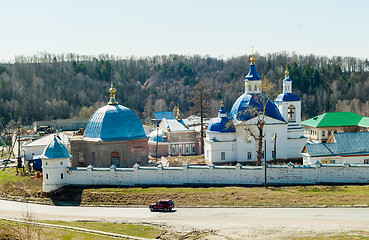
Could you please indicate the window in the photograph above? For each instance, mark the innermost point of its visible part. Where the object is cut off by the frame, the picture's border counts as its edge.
(61, 176)
(323, 133)
(255, 88)
(46, 163)
(222, 156)
(154, 150)
(193, 149)
(61, 163)
(180, 149)
(115, 159)
(262, 155)
(248, 139)
(173, 150)
(332, 161)
(329, 133)
(187, 150)
(249, 156)
(179, 137)
(47, 176)
(273, 155)
(291, 114)
(93, 157)
(366, 161)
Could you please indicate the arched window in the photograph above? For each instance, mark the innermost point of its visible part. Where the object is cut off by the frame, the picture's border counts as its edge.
(291, 113)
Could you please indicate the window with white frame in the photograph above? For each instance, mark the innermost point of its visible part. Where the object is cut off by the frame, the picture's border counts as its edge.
(249, 156)
(222, 156)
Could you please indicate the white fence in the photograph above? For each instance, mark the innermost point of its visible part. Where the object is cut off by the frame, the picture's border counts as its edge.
(219, 175)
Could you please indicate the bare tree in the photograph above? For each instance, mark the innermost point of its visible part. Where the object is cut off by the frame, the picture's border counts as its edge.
(201, 105)
(257, 114)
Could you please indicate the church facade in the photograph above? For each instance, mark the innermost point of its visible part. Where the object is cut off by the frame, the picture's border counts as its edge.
(114, 136)
(233, 139)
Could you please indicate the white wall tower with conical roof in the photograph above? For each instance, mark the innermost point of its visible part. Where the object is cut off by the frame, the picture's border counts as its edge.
(55, 162)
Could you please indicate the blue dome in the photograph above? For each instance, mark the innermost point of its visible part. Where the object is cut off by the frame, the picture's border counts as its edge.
(55, 149)
(222, 123)
(240, 110)
(287, 80)
(252, 75)
(114, 123)
(287, 97)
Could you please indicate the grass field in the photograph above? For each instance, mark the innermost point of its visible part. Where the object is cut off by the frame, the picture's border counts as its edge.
(13, 230)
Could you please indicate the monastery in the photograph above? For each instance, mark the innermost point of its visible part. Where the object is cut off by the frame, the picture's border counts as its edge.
(114, 148)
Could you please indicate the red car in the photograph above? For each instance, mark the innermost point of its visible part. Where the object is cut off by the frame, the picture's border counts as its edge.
(162, 205)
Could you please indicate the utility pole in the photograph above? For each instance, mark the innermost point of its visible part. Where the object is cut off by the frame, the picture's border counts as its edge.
(157, 139)
(265, 164)
(19, 158)
(275, 147)
(202, 125)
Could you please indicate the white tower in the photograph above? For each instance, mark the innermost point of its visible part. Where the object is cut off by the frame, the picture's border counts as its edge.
(289, 104)
(252, 80)
(55, 161)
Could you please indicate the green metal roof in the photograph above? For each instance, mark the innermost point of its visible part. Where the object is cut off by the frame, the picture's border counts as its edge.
(334, 119)
(364, 122)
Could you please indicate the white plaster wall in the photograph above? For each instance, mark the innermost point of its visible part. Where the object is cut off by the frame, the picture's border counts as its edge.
(307, 160)
(213, 175)
(214, 150)
(243, 147)
(36, 150)
(295, 147)
(51, 171)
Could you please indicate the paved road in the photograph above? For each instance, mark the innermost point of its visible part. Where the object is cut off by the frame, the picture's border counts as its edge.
(229, 223)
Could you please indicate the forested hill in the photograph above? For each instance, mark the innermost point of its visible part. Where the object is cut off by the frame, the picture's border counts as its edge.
(50, 86)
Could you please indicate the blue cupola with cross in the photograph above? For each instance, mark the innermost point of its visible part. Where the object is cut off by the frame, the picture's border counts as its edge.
(253, 79)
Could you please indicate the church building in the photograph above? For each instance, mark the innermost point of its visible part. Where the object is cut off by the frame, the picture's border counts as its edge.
(114, 136)
(230, 140)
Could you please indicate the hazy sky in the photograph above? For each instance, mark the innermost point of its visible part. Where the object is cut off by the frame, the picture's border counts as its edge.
(205, 27)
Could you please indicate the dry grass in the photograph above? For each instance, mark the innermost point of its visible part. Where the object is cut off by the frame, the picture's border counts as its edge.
(292, 196)
(191, 160)
(20, 186)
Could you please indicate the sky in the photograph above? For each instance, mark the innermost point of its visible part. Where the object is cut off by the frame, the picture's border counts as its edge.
(221, 29)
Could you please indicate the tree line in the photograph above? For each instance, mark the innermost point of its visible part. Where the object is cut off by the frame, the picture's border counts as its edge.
(48, 86)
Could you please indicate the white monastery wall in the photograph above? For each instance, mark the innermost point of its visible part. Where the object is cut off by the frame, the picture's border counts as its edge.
(210, 175)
